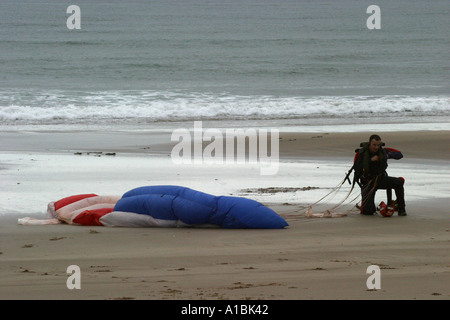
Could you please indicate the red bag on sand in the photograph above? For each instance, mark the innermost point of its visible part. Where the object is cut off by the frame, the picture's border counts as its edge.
(386, 210)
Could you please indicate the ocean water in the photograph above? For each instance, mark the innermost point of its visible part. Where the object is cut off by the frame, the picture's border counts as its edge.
(151, 63)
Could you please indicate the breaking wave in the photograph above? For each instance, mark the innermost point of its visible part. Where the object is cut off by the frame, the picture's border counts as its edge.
(58, 107)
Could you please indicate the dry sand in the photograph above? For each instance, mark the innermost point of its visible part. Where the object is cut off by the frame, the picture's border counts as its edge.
(311, 259)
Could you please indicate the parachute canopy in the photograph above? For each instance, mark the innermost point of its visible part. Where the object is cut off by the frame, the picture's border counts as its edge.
(165, 206)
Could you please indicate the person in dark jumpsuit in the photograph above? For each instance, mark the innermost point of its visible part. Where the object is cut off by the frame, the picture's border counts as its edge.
(370, 169)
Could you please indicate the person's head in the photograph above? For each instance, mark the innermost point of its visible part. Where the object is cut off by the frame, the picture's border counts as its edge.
(374, 143)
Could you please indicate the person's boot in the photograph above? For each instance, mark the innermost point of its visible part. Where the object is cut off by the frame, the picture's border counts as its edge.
(402, 212)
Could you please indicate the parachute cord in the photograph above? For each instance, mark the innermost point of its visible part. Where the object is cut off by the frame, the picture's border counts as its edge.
(305, 209)
(341, 203)
(334, 190)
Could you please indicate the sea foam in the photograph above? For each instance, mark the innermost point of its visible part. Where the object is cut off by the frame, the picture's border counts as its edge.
(53, 107)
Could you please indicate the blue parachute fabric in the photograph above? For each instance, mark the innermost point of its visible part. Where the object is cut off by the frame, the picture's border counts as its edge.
(195, 208)
(158, 206)
(242, 212)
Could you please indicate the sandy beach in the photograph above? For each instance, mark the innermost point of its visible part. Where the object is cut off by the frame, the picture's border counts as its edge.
(314, 258)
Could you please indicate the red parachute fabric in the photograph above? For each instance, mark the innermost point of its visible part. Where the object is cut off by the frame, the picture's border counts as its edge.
(68, 200)
(92, 217)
